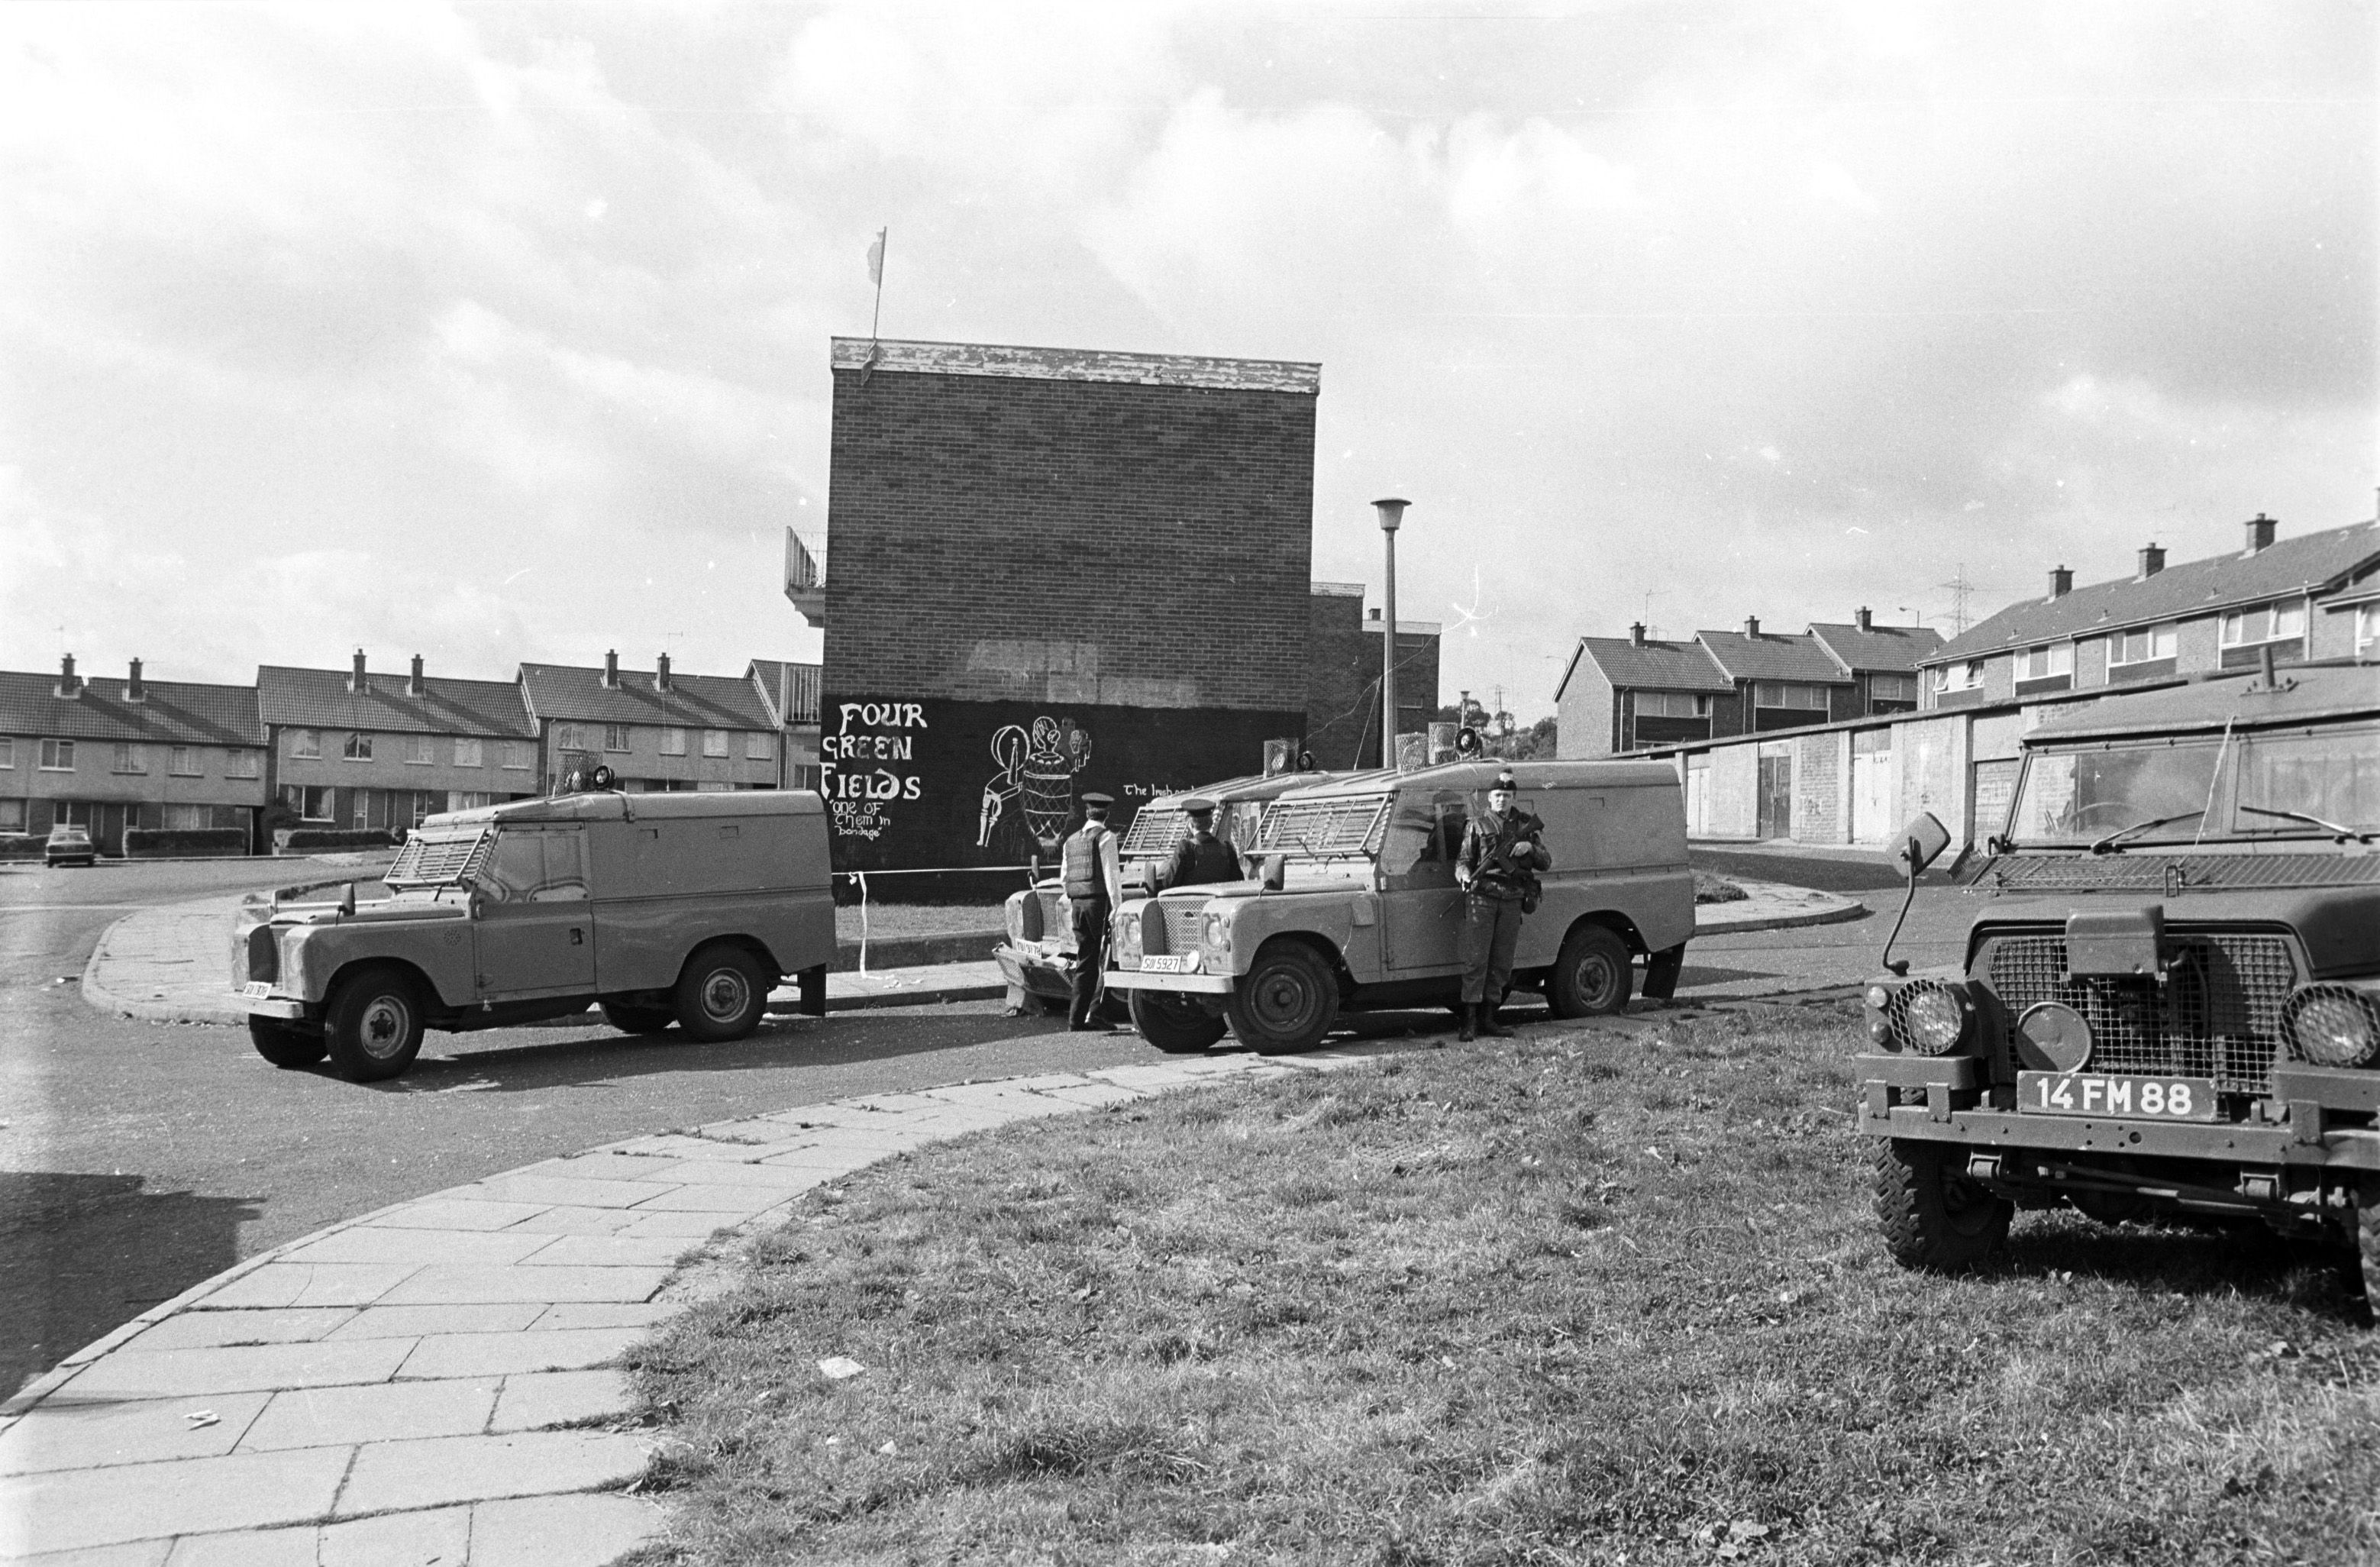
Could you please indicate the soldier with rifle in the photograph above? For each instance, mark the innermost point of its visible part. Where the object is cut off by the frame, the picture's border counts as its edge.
(1497, 869)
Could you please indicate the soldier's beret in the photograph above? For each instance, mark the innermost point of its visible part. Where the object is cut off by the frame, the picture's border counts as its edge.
(1504, 781)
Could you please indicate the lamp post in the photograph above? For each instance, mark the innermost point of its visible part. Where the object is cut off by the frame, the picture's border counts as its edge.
(1393, 512)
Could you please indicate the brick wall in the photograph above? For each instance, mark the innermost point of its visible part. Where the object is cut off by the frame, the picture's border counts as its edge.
(1586, 718)
(1000, 538)
(1342, 703)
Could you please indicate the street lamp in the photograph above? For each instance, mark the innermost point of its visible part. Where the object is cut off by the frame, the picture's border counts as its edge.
(1393, 512)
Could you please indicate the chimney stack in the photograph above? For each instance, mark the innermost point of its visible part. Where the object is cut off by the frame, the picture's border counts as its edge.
(1866, 621)
(69, 685)
(2152, 561)
(2061, 582)
(1752, 626)
(611, 670)
(356, 681)
(133, 690)
(660, 671)
(2259, 533)
(413, 686)
(1637, 634)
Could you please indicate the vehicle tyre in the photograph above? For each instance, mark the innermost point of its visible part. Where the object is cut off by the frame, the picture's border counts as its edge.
(629, 1017)
(285, 1044)
(721, 994)
(373, 1027)
(1592, 975)
(1174, 1024)
(1933, 1215)
(1286, 1001)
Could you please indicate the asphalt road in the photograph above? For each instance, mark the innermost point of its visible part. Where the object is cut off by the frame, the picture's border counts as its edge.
(138, 1158)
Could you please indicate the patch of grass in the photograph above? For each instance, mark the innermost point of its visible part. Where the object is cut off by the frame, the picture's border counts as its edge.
(889, 921)
(1587, 1293)
(1709, 888)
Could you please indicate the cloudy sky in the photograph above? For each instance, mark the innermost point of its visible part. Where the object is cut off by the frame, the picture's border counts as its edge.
(500, 333)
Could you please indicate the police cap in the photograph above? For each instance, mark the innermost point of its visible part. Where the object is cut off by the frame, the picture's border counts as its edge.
(1097, 804)
(1198, 804)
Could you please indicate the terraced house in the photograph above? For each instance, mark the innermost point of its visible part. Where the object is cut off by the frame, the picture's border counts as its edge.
(359, 749)
(107, 755)
(658, 731)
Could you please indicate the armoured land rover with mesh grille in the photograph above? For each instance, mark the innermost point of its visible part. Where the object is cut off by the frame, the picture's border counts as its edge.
(1357, 906)
(660, 908)
(2170, 1002)
(1038, 959)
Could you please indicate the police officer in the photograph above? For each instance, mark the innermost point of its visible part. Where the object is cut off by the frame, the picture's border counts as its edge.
(1497, 868)
(1201, 858)
(1094, 886)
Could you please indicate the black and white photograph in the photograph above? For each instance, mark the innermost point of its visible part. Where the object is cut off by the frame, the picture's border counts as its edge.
(1406, 782)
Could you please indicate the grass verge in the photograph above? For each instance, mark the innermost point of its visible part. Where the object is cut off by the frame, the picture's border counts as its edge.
(889, 921)
(1594, 1294)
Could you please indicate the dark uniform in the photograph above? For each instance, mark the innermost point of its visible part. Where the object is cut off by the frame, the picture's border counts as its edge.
(1201, 858)
(1497, 868)
(1085, 857)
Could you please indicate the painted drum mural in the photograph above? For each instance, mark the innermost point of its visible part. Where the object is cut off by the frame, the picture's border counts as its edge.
(915, 785)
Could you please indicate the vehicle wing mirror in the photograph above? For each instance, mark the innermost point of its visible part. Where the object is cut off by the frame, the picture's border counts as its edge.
(478, 906)
(1919, 842)
(1273, 870)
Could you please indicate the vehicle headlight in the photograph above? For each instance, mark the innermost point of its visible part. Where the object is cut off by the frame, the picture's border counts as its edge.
(1216, 934)
(1931, 1019)
(2332, 1026)
(1128, 933)
(1017, 918)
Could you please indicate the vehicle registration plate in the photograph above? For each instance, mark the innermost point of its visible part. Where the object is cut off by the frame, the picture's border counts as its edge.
(256, 990)
(2096, 1093)
(1169, 963)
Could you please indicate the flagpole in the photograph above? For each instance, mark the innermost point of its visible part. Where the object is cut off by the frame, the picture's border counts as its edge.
(877, 267)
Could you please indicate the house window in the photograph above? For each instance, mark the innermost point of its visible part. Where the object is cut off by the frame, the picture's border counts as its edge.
(7, 752)
(418, 750)
(1777, 694)
(305, 744)
(672, 742)
(2043, 663)
(12, 816)
(242, 764)
(714, 742)
(189, 818)
(757, 748)
(569, 737)
(357, 747)
(1671, 704)
(1892, 687)
(314, 803)
(518, 756)
(2367, 628)
(2284, 622)
(129, 758)
(465, 799)
(1967, 677)
(2148, 643)
(467, 753)
(615, 736)
(57, 756)
(183, 763)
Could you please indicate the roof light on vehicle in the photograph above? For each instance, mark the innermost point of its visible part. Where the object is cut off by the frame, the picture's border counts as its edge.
(2332, 1026)
(1932, 1018)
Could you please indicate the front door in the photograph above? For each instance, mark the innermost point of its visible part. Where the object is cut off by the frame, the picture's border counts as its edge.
(1871, 787)
(1776, 797)
(1422, 908)
(535, 932)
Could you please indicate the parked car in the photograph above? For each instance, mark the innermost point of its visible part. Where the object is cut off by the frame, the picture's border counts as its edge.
(1358, 908)
(2170, 999)
(69, 845)
(1039, 958)
(660, 908)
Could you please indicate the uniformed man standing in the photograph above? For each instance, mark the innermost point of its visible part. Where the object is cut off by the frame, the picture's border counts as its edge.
(1497, 869)
(1094, 886)
(1201, 858)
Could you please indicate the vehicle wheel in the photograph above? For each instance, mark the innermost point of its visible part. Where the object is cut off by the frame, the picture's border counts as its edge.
(1174, 1024)
(285, 1045)
(373, 1027)
(1287, 1002)
(721, 994)
(630, 1018)
(1592, 975)
(1933, 1214)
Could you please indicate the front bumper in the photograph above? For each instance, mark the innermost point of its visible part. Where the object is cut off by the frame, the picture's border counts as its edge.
(287, 1008)
(1036, 970)
(1940, 1098)
(1135, 980)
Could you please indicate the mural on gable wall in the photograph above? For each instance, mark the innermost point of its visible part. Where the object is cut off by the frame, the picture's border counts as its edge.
(1034, 789)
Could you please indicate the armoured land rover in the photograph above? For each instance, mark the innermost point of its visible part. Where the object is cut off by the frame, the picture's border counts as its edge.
(1358, 909)
(1038, 959)
(661, 908)
(2170, 1002)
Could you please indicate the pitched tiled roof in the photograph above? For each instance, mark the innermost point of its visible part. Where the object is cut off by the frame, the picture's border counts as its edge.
(701, 701)
(1652, 666)
(174, 712)
(1773, 656)
(2193, 588)
(1896, 649)
(319, 698)
(790, 689)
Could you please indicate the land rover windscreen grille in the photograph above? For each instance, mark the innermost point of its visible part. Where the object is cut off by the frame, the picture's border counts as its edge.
(437, 862)
(2217, 1012)
(2147, 870)
(1152, 832)
(1323, 827)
